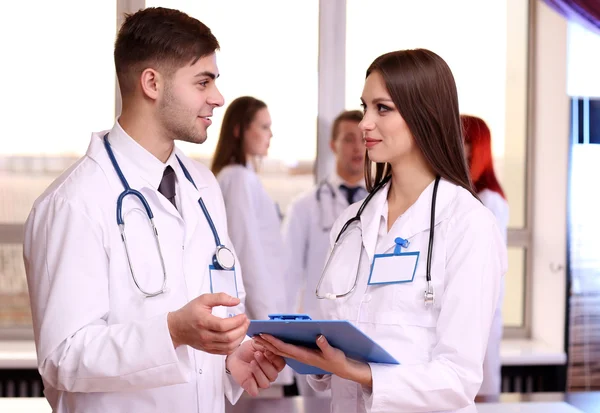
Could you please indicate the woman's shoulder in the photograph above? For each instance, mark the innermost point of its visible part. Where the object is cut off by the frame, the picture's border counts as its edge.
(469, 215)
(236, 174)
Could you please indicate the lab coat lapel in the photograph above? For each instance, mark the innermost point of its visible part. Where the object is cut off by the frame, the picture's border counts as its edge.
(190, 194)
(418, 217)
(369, 220)
(97, 152)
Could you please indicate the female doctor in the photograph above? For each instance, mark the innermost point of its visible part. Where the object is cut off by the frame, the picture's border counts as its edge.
(478, 149)
(253, 218)
(417, 265)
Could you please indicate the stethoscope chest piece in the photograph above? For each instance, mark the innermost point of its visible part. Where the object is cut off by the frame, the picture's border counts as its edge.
(429, 295)
(224, 258)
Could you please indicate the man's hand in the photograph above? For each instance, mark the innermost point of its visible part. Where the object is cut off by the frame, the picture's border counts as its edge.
(194, 325)
(253, 368)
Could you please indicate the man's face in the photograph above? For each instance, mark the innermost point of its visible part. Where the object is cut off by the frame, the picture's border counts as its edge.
(349, 148)
(189, 97)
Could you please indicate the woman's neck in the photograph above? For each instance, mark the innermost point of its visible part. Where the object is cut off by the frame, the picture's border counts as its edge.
(408, 182)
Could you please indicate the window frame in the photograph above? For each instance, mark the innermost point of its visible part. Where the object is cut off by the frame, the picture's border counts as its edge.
(331, 101)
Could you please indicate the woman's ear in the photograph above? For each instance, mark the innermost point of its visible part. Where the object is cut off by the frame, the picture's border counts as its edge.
(236, 131)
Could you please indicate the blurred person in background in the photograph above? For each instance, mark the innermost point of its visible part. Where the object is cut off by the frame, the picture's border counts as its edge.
(253, 218)
(310, 217)
(478, 150)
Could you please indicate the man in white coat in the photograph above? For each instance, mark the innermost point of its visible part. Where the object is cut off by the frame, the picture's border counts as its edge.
(127, 316)
(311, 216)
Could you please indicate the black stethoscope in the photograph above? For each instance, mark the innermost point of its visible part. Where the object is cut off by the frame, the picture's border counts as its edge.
(429, 294)
(223, 259)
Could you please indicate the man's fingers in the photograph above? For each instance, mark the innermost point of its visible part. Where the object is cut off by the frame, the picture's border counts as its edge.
(214, 300)
(235, 335)
(266, 366)
(275, 360)
(259, 375)
(250, 386)
(221, 325)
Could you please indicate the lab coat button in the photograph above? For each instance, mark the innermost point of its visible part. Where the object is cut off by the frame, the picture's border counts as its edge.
(200, 371)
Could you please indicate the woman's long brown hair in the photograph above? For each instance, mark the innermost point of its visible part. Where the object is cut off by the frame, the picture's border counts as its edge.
(423, 90)
(230, 147)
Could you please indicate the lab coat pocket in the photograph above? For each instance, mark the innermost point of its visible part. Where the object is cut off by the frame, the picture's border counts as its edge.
(409, 305)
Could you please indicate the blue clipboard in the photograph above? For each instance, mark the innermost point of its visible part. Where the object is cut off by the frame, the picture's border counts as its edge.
(300, 329)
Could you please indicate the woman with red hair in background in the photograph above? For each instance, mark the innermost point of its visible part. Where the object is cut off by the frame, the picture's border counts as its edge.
(478, 150)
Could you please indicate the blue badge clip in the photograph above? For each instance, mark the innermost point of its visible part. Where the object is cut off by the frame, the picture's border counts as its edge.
(289, 317)
(400, 243)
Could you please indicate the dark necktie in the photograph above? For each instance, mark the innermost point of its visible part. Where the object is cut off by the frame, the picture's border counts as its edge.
(350, 192)
(167, 185)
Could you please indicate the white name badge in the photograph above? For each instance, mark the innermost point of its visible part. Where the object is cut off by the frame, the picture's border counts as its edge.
(394, 268)
(223, 281)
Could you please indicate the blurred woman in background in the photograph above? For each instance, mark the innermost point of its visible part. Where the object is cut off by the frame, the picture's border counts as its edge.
(253, 218)
(478, 150)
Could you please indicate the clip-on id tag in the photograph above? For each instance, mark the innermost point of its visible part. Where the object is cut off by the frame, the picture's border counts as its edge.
(223, 281)
(399, 267)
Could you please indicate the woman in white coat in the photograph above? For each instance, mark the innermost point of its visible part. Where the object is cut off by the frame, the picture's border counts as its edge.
(253, 218)
(435, 323)
(478, 149)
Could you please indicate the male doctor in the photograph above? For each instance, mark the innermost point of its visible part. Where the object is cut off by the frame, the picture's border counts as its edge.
(143, 320)
(311, 216)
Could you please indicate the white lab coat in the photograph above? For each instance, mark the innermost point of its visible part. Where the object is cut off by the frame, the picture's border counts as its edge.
(101, 345)
(492, 366)
(306, 231)
(441, 349)
(255, 228)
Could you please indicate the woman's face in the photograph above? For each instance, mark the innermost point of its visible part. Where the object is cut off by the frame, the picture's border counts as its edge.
(258, 134)
(385, 133)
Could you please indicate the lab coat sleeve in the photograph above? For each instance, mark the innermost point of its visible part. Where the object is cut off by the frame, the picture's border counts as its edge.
(264, 291)
(295, 235)
(67, 272)
(319, 382)
(475, 263)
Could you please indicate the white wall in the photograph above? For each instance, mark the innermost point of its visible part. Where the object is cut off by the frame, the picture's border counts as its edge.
(549, 189)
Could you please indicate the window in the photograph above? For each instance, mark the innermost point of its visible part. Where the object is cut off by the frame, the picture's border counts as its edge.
(269, 55)
(485, 45)
(61, 87)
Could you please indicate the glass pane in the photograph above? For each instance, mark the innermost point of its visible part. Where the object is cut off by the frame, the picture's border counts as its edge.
(61, 87)
(14, 299)
(583, 61)
(485, 45)
(513, 308)
(269, 50)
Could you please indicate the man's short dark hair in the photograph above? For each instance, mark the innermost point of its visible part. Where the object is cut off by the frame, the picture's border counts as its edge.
(161, 38)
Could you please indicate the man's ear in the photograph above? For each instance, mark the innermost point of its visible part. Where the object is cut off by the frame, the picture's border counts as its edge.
(151, 82)
(332, 146)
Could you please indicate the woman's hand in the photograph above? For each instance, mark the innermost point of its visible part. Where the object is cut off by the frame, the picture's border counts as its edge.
(326, 358)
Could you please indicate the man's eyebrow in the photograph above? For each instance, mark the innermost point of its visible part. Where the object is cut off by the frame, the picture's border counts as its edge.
(208, 74)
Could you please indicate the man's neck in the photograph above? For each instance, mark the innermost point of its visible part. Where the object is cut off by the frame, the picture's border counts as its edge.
(147, 134)
(349, 179)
